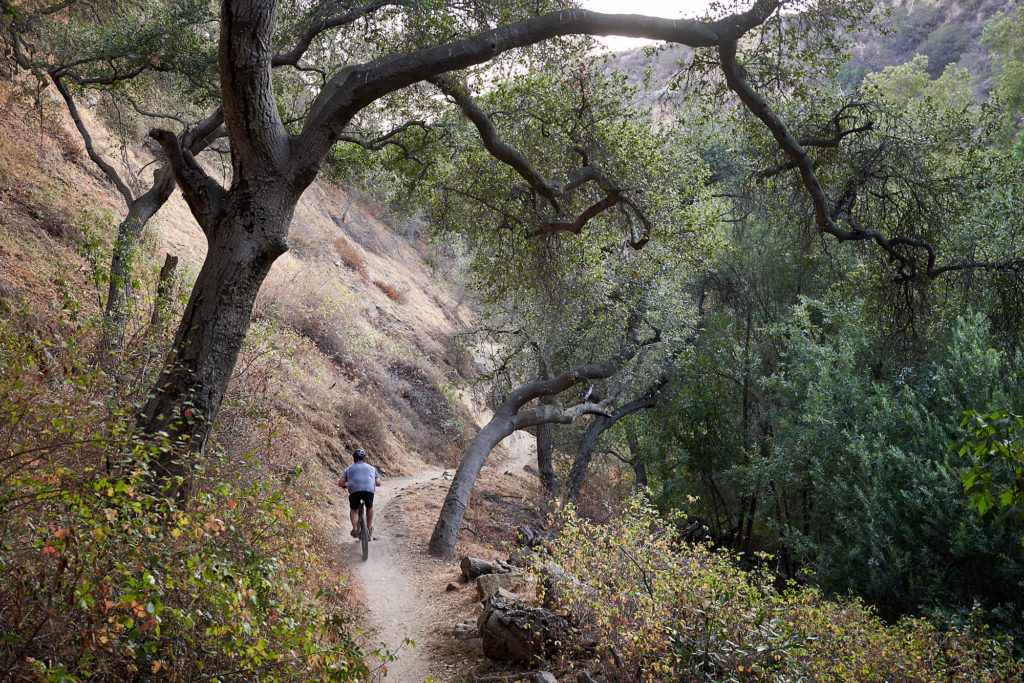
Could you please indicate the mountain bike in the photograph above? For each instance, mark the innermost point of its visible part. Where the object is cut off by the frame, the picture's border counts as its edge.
(364, 531)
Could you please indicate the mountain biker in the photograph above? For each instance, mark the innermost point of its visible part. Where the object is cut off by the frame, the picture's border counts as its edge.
(362, 480)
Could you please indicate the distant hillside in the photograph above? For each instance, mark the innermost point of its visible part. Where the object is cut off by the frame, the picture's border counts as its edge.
(945, 32)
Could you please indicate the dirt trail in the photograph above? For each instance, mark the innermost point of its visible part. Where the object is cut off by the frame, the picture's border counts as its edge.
(397, 601)
(403, 585)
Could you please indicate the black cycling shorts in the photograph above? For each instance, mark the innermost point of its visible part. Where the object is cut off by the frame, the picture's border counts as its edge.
(356, 496)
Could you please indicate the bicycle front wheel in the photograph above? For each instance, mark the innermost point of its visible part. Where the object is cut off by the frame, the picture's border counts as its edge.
(364, 533)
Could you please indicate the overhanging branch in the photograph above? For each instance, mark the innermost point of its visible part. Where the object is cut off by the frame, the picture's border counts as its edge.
(323, 24)
(357, 86)
(825, 211)
(90, 149)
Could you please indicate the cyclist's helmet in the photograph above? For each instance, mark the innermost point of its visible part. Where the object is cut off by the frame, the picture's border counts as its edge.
(360, 454)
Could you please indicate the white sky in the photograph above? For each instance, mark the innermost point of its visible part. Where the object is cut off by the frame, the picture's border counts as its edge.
(658, 8)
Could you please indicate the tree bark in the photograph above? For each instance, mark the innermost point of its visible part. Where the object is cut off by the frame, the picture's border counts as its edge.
(442, 541)
(545, 464)
(509, 417)
(213, 328)
(639, 475)
(585, 452)
(119, 294)
(163, 288)
(639, 466)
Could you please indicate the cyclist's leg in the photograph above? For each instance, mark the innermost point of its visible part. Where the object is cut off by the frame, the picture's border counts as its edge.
(353, 513)
(369, 510)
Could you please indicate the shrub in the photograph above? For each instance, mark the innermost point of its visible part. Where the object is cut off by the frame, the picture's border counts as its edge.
(102, 577)
(316, 308)
(391, 291)
(350, 256)
(653, 609)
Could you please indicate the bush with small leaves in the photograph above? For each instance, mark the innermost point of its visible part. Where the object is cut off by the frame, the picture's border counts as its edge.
(102, 577)
(655, 609)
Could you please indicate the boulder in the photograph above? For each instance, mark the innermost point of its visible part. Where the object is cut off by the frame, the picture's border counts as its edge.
(527, 536)
(466, 629)
(472, 567)
(543, 677)
(489, 584)
(511, 597)
(511, 633)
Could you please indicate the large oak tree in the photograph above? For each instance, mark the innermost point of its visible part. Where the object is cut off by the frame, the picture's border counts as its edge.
(246, 223)
(356, 59)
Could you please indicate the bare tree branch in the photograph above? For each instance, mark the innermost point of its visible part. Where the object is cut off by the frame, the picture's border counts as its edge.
(90, 149)
(826, 212)
(551, 190)
(320, 25)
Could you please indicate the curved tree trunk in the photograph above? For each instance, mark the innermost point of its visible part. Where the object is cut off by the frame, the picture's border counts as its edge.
(442, 541)
(511, 416)
(585, 452)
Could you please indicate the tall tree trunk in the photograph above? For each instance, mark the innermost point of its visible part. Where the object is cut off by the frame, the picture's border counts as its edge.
(119, 294)
(638, 465)
(163, 289)
(545, 464)
(639, 475)
(250, 237)
(585, 453)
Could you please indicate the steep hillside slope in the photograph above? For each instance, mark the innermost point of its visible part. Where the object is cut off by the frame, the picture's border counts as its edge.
(353, 336)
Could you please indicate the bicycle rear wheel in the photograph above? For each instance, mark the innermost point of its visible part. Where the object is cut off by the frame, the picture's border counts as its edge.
(364, 532)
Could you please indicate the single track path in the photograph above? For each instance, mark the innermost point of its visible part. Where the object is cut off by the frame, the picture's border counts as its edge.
(400, 581)
(398, 604)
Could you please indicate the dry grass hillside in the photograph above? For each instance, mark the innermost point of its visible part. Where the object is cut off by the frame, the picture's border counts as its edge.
(353, 341)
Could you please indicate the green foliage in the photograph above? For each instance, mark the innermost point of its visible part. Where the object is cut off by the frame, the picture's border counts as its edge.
(565, 296)
(848, 466)
(1004, 36)
(654, 609)
(995, 480)
(102, 577)
(114, 44)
